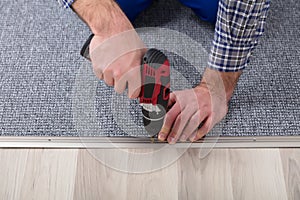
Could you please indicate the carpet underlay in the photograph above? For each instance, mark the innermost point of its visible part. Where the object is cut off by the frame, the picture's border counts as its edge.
(47, 89)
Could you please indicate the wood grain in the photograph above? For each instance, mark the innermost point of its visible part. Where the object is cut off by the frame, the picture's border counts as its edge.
(37, 173)
(109, 174)
(204, 176)
(162, 180)
(12, 171)
(291, 167)
(96, 181)
(257, 174)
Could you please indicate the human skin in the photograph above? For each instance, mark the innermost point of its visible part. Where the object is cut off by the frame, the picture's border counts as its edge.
(118, 71)
(207, 104)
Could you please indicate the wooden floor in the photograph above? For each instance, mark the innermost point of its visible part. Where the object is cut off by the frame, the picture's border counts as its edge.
(80, 174)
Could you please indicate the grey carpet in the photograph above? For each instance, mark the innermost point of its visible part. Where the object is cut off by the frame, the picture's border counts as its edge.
(47, 89)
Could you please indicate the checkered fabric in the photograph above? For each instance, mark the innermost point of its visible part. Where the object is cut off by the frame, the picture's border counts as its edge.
(65, 3)
(238, 28)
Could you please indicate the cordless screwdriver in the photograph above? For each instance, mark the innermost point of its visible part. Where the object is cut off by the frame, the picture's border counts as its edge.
(155, 90)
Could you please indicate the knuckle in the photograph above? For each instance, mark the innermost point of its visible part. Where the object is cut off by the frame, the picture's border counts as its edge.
(131, 76)
(118, 74)
(108, 70)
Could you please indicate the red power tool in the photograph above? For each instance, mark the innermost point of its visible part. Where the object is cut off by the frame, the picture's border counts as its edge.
(155, 91)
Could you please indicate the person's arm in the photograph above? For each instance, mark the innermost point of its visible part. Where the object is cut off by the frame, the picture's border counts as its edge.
(239, 26)
(104, 17)
(116, 49)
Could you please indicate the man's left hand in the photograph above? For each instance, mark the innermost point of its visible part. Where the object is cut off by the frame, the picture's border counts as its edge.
(194, 112)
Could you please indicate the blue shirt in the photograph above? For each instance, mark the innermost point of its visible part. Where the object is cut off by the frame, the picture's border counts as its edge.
(239, 25)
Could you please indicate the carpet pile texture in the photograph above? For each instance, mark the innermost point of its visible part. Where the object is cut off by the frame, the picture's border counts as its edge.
(47, 89)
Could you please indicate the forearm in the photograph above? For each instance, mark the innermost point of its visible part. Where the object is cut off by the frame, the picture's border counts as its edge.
(104, 17)
(238, 28)
(220, 83)
(230, 80)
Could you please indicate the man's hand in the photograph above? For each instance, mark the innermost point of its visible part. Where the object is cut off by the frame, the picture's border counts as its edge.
(116, 49)
(117, 61)
(207, 104)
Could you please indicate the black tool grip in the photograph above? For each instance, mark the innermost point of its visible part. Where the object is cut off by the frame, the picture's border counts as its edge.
(85, 50)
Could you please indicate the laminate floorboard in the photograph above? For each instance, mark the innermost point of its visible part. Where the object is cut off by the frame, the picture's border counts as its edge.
(291, 168)
(257, 174)
(37, 174)
(249, 173)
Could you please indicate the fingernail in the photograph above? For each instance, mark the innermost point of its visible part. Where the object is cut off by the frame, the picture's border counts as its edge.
(171, 140)
(161, 136)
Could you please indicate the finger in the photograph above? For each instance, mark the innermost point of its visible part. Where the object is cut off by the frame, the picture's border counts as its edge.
(169, 121)
(108, 77)
(201, 132)
(98, 72)
(193, 124)
(194, 133)
(119, 82)
(134, 82)
(179, 125)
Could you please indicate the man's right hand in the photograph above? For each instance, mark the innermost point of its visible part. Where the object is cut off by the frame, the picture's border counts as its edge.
(117, 60)
(116, 50)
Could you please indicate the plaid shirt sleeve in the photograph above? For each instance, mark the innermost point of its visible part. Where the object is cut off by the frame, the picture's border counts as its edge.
(65, 3)
(240, 23)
